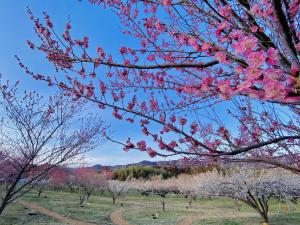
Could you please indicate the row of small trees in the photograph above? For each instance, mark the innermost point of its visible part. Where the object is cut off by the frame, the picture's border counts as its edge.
(251, 186)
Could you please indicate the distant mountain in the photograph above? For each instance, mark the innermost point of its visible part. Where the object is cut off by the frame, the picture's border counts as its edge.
(97, 167)
(174, 163)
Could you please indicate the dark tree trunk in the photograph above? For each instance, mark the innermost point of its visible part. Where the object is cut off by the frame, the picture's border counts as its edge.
(114, 200)
(88, 196)
(82, 198)
(3, 205)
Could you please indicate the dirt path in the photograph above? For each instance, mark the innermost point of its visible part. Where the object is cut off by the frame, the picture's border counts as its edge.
(53, 214)
(117, 218)
(186, 221)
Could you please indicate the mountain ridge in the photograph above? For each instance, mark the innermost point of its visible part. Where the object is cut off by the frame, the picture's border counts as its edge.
(175, 163)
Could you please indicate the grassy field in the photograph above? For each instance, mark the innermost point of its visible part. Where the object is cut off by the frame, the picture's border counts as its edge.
(139, 210)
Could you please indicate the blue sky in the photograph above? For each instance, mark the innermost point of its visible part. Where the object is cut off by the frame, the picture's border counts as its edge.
(100, 25)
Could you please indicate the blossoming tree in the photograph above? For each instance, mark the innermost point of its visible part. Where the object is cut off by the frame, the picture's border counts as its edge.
(187, 186)
(87, 181)
(255, 188)
(117, 188)
(37, 135)
(192, 55)
(157, 186)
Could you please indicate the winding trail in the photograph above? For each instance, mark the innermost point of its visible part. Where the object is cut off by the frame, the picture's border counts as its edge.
(117, 218)
(52, 214)
(186, 221)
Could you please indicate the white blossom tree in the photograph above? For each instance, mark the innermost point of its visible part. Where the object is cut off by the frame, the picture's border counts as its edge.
(256, 187)
(117, 188)
(158, 186)
(187, 186)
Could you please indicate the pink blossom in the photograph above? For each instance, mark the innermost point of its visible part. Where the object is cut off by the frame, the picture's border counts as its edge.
(253, 73)
(294, 69)
(244, 87)
(273, 74)
(206, 83)
(90, 90)
(101, 53)
(128, 145)
(256, 59)
(151, 152)
(172, 119)
(102, 87)
(130, 120)
(192, 41)
(151, 57)
(144, 122)
(182, 121)
(275, 90)
(141, 145)
(245, 45)
(172, 144)
(273, 57)
(225, 89)
(256, 10)
(236, 34)
(238, 69)
(225, 11)
(159, 26)
(194, 128)
(254, 29)
(205, 46)
(153, 105)
(221, 57)
(145, 131)
(123, 50)
(166, 129)
(166, 2)
(223, 25)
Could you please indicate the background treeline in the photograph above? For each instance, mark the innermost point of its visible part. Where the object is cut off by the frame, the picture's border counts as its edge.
(146, 172)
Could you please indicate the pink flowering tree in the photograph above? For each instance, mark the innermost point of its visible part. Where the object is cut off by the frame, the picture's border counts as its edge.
(63, 178)
(37, 135)
(191, 56)
(57, 177)
(87, 181)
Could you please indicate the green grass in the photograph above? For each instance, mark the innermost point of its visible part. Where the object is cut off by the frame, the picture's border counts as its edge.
(139, 210)
(16, 214)
(96, 210)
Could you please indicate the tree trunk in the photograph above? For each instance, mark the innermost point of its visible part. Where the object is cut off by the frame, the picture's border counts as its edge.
(114, 200)
(266, 219)
(82, 198)
(3, 205)
(163, 206)
(88, 196)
